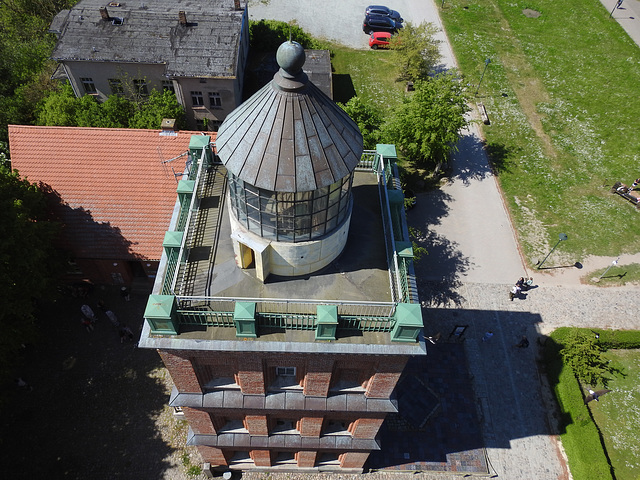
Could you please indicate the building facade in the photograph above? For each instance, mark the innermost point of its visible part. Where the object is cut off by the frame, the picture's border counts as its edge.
(112, 228)
(196, 50)
(286, 309)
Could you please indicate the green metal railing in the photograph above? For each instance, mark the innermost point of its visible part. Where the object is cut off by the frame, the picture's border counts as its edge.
(301, 314)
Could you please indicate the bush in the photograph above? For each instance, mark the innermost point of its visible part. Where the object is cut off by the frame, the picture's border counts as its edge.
(581, 437)
(268, 35)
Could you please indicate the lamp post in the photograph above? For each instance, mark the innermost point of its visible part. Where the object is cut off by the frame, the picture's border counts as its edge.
(561, 238)
(486, 64)
(614, 263)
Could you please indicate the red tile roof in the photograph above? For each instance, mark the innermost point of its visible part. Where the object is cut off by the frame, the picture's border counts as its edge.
(117, 187)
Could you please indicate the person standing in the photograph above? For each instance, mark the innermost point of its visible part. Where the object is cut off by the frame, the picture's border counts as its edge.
(487, 336)
(124, 292)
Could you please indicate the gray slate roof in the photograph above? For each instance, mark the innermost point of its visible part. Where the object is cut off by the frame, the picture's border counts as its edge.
(289, 136)
(151, 33)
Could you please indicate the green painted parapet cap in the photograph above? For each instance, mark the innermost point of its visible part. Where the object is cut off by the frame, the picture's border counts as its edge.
(198, 142)
(408, 324)
(186, 186)
(172, 240)
(244, 318)
(404, 249)
(388, 151)
(160, 313)
(326, 322)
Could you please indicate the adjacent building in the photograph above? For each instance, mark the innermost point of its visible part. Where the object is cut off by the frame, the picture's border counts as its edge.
(285, 306)
(198, 50)
(113, 189)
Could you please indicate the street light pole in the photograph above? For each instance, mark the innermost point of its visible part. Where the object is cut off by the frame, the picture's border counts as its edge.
(615, 262)
(486, 64)
(561, 238)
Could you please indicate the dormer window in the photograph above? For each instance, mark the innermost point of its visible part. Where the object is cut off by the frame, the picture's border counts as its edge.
(89, 86)
(117, 21)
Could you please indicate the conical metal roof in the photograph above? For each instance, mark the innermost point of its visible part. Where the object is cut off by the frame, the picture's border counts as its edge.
(289, 136)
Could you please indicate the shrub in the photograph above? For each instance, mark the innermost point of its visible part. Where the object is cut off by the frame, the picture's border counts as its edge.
(268, 35)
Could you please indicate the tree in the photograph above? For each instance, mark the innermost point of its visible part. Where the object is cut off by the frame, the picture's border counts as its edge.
(417, 50)
(426, 125)
(367, 118)
(584, 355)
(60, 108)
(116, 112)
(159, 105)
(28, 261)
(63, 108)
(268, 35)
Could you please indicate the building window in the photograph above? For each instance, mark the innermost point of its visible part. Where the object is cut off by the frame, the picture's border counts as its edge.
(203, 80)
(115, 84)
(285, 427)
(197, 100)
(285, 379)
(336, 428)
(214, 100)
(140, 87)
(167, 85)
(291, 217)
(285, 371)
(89, 86)
(200, 125)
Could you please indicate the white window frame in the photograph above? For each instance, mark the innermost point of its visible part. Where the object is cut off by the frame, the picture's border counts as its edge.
(89, 85)
(285, 371)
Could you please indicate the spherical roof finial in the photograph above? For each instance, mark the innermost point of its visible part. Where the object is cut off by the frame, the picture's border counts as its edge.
(290, 57)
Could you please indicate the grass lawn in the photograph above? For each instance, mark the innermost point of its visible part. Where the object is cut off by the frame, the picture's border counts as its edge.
(618, 416)
(615, 275)
(369, 74)
(563, 98)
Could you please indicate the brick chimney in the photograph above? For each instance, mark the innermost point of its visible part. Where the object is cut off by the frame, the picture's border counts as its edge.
(168, 127)
(104, 14)
(182, 16)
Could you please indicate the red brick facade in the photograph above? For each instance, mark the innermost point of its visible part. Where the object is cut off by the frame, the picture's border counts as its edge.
(257, 378)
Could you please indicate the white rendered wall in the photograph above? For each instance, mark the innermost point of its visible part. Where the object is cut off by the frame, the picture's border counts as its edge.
(290, 259)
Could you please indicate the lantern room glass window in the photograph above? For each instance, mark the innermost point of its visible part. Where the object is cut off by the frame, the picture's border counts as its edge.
(287, 216)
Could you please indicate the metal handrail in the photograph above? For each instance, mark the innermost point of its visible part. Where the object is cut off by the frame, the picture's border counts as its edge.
(193, 206)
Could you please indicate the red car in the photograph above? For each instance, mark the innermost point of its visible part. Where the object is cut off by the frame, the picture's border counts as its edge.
(379, 40)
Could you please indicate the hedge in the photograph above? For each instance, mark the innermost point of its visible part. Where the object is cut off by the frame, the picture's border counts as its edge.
(580, 435)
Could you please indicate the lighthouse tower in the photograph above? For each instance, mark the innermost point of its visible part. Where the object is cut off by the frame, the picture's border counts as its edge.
(290, 153)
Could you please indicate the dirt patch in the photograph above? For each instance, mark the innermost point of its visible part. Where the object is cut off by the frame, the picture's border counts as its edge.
(527, 12)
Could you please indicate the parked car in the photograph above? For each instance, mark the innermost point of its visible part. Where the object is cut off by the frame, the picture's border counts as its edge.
(385, 11)
(379, 40)
(379, 23)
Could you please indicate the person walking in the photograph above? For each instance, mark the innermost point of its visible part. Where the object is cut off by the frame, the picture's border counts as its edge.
(87, 312)
(112, 318)
(88, 324)
(125, 332)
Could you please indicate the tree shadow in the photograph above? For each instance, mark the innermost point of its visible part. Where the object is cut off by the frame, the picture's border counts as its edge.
(81, 236)
(498, 154)
(92, 410)
(470, 162)
(466, 396)
(438, 273)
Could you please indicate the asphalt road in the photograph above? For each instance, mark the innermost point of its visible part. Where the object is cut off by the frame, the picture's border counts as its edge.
(341, 20)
